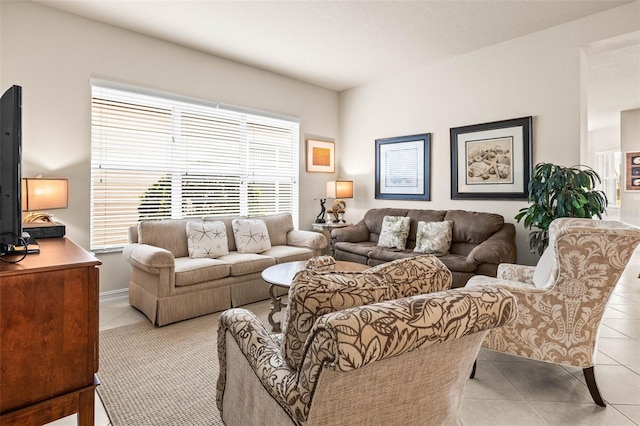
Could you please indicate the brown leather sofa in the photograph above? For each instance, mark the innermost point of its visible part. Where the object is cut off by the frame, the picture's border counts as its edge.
(480, 241)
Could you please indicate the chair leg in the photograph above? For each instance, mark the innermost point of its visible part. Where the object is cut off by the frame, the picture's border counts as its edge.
(473, 370)
(590, 377)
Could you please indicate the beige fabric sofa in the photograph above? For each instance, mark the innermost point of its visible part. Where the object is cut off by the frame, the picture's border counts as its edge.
(168, 286)
(480, 241)
(382, 363)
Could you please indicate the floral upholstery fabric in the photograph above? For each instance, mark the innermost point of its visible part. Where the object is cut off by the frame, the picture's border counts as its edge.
(321, 263)
(357, 337)
(560, 324)
(314, 293)
(395, 231)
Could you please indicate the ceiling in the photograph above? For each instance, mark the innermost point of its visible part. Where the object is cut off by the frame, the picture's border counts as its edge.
(342, 44)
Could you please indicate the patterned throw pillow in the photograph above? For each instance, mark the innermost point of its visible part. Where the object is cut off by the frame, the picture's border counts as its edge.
(251, 235)
(207, 239)
(434, 237)
(394, 233)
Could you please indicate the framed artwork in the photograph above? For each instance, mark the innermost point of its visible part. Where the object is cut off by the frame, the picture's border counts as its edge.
(402, 168)
(321, 156)
(491, 160)
(632, 171)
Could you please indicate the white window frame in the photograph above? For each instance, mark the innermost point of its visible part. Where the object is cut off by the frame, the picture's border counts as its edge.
(609, 165)
(149, 147)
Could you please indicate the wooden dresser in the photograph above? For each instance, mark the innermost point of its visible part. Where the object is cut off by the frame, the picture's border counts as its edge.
(49, 335)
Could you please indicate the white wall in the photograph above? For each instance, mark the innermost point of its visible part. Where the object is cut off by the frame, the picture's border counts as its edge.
(536, 75)
(629, 142)
(53, 54)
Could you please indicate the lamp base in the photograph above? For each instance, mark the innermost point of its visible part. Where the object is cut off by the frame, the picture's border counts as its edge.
(44, 230)
(37, 217)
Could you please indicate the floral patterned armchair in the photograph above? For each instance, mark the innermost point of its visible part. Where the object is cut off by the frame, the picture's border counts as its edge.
(378, 363)
(561, 301)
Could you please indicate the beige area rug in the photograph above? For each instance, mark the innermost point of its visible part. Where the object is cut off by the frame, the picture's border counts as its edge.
(162, 376)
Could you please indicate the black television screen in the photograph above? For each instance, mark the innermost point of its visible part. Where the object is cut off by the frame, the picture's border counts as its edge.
(10, 169)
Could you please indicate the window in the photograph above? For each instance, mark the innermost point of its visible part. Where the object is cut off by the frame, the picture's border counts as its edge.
(162, 157)
(608, 169)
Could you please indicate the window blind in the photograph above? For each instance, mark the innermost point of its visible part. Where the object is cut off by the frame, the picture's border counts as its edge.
(162, 157)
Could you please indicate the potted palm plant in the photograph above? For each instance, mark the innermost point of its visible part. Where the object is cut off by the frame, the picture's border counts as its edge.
(557, 191)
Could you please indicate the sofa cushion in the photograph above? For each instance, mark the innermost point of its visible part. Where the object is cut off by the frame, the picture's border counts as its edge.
(315, 293)
(246, 263)
(457, 263)
(193, 271)
(251, 235)
(418, 215)
(394, 233)
(473, 227)
(278, 226)
(167, 234)
(207, 239)
(434, 237)
(284, 254)
(373, 220)
(227, 220)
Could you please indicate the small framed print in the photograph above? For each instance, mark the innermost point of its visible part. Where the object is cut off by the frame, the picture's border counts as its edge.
(321, 156)
(632, 174)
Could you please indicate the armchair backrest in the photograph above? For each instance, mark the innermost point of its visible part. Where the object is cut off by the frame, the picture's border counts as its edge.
(591, 255)
(423, 345)
(547, 270)
(314, 293)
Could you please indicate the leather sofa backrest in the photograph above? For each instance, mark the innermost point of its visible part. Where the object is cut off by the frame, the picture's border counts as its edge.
(469, 228)
(418, 215)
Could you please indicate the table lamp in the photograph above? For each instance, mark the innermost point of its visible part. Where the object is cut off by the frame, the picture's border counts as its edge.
(339, 189)
(43, 194)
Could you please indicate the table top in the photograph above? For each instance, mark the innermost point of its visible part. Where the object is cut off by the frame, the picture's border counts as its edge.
(282, 274)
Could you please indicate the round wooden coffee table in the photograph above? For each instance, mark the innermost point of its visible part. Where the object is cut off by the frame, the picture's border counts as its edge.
(281, 275)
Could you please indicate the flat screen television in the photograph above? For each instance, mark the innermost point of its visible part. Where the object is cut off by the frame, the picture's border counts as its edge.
(10, 170)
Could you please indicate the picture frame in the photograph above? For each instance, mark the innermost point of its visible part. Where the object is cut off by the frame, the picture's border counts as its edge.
(491, 161)
(321, 156)
(632, 171)
(403, 168)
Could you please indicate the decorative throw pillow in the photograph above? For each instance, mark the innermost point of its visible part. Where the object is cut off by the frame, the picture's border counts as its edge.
(434, 237)
(546, 270)
(251, 235)
(394, 233)
(207, 239)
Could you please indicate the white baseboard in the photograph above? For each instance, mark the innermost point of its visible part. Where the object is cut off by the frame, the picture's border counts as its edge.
(112, 295)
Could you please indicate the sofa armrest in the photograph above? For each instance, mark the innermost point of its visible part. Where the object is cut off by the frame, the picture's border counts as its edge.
(148, 258)
(262, 352)
(308, 239)
(498, 248)
(353, 234)
(514, 272)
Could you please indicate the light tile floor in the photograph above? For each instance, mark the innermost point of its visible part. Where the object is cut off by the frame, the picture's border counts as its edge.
(513, 391)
